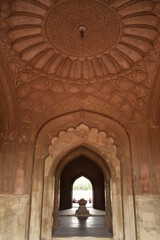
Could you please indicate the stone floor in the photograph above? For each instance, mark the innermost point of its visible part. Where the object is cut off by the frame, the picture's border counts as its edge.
(71, 226)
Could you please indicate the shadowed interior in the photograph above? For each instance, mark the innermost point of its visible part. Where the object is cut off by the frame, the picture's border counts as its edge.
(82, 166)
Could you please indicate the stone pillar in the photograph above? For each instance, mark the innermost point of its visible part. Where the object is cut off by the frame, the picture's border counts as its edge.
(56, 203)
(108, 206)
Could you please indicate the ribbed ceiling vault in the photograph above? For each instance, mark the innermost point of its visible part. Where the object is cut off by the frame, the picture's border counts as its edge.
(112, 62)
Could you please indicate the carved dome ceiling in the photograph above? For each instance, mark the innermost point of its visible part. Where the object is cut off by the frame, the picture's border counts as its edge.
(99, 49)
(47, 35)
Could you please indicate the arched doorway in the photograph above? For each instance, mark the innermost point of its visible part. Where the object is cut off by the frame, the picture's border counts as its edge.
(82, 187)
(100, 143)
(82, 166)
(82, 161)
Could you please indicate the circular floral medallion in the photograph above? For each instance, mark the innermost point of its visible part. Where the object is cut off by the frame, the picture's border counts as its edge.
(79, 39)
(99, 24)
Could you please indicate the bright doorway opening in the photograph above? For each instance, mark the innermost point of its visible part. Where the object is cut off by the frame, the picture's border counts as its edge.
(82, 188)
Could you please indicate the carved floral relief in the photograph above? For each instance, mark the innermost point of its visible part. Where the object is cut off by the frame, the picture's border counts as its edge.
(51, 63)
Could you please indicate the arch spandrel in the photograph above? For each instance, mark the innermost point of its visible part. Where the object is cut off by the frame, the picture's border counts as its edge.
(53, 126)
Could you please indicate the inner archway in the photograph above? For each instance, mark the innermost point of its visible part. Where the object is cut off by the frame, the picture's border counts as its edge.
(109, 152)
(82, 162)
(82, 166)
(82, 187)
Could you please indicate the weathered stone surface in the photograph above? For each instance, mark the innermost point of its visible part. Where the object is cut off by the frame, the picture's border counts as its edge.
(113, 64)
(148, 216)
(76, 73)
(82, 211)
(14, 213)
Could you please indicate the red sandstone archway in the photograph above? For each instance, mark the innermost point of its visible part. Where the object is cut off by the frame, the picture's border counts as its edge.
(82, 166)
(103, 168)
(43, 174)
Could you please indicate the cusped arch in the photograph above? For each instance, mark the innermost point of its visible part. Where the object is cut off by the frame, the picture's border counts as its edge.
(82, 122)
(88, 138)
(103, 166)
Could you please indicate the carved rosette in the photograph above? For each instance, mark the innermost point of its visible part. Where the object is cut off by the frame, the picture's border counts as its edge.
(112, 64)
(46, 34)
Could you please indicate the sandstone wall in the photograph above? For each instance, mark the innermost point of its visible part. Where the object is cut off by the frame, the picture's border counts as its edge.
(16, 177)
(14, 210)
(148, 217)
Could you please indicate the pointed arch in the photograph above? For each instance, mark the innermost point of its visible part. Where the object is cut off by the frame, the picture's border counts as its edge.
(112, 147)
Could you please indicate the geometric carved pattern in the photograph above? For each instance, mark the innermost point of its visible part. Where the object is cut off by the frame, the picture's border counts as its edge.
(104, 49)
(128, 92)
(65, 22)
(114, 71)
(82, 135)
